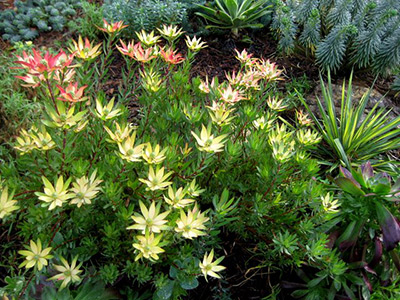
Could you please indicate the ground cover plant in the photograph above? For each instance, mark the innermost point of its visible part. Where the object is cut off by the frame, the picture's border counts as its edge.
(29, 18)
(148, 14)
(97, 205)
(339, 34)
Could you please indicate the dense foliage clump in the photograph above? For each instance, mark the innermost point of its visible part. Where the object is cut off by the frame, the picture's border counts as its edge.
(31, 17)
(147, 14)
(364, 34)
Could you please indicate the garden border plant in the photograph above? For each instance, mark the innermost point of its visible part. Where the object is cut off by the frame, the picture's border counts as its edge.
(95, 200)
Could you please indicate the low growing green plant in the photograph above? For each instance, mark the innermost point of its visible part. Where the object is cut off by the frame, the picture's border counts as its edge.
(235, 14)
(145, 15)
(353, 134)
(340, 34)
(31, 17)
(17, 108)
(92, 17)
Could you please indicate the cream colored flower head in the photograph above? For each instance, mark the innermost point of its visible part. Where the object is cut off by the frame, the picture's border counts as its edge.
(7, 204)
(265, 122)
(128, 150)
(151, 81)
(157, 180)
(68, 273)
(192, 223)
(119, 134)
(148, 246)
(153, 155)
(330, 205)
(210, 268)
(195, 44)
(65, 117)
(308, 137)
(35, 256)
(56, 195)
(276, 104)
(250, 80)
(25, 143)
(207, 142)
(170, 32)
(107, 112)
(148, 39)
(220, 114)
(231, 95)
(43, 139)
(85, 189)
(193, 189)
(206, 87)
(151, 219)
(176, 197)
(283, 151)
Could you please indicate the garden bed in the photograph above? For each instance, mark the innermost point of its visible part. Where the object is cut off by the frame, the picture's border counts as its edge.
(170, 170)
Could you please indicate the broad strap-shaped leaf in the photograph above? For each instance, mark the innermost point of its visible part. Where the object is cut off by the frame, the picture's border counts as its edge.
(350, 235)
(232, 7)
(389, 225)
(349, 187)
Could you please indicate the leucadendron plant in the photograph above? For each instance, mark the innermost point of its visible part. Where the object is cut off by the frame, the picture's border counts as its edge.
(92, 195)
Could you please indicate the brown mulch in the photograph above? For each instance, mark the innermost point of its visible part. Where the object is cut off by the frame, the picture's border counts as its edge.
(6, 4)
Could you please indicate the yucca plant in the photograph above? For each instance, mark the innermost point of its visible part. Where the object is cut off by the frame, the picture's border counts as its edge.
(354, 136)
(235, 14)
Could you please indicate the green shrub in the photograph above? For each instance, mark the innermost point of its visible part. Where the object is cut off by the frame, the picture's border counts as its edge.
(235, 15)
(31, 17)
(17, 107)
(145, 14)
(92, 17)
(203, 157)
(364, 34)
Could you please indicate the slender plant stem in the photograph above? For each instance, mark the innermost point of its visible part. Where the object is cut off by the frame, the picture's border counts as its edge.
(147, 120)
(63, 150)
(272, 183)
(120, 173)
(52, 95)
(240, 132)
(23, 193)
(95, 152)
(26, 285)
